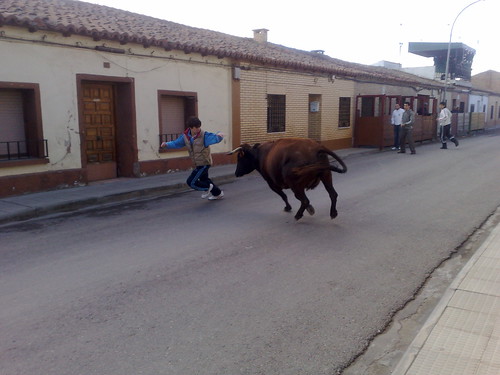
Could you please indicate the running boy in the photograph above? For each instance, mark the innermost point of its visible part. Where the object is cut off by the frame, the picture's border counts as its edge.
(197, 142)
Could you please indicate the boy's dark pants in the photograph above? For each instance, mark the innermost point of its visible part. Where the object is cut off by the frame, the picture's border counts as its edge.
(199, 180)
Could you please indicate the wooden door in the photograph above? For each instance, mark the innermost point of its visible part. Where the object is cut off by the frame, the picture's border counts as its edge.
(100, 131)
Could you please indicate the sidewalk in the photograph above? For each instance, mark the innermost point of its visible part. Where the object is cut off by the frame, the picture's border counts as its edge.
(28, 206)
(462, 335)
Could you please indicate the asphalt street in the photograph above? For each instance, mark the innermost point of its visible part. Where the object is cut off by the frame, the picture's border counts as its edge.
(180, 285)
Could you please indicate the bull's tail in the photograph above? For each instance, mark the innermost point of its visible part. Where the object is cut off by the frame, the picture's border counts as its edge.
(303, 173)
(337, 158)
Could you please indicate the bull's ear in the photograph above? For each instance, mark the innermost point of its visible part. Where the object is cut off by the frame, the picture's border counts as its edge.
(255, 146)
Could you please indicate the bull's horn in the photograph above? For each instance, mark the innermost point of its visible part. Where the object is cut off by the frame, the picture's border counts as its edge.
(236, 149)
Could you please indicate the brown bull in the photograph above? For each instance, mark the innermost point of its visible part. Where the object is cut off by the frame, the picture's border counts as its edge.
(291, 163)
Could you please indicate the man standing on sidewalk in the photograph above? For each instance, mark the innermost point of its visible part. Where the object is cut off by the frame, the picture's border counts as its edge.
(396, 118)
(444, 122)
(407, 130)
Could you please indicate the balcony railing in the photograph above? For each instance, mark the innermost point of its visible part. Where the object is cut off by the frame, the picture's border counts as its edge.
(19, 150)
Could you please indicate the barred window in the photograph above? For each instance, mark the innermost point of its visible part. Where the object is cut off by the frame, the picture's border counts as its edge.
(276, 106)
(344, 112)
(21, 132)
(175, 107)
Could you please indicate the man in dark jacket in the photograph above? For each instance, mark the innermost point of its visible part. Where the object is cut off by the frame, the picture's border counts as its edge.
(407, 130)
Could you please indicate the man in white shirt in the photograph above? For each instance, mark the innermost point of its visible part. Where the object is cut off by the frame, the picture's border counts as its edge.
(396, 118)
(444, 122)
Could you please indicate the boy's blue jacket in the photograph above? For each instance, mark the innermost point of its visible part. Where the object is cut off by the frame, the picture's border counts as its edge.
(210, 139)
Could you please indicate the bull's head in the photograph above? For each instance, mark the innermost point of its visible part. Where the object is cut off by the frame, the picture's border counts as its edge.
(247, 159)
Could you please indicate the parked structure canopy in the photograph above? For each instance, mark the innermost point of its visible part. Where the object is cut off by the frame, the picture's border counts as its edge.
(461, 57)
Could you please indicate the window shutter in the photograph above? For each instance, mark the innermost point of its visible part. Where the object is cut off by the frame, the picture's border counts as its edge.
(172, 114)
(11, 116)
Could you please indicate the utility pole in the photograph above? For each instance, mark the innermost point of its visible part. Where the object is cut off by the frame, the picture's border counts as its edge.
(449, 50)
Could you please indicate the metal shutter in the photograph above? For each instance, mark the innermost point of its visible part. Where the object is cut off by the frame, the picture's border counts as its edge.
(172, 114)
(11, 116)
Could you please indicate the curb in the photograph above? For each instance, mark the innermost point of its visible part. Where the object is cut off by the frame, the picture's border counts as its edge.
(93, 202)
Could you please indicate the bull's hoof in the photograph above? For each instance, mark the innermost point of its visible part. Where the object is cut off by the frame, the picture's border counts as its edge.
(297, 217)
(333, 214)
(288, 208)
(310, 209)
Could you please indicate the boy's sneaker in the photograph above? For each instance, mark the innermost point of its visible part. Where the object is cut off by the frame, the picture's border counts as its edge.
(213, 197)
(208, 193)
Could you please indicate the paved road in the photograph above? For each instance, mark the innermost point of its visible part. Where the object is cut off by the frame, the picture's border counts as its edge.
(182, 286)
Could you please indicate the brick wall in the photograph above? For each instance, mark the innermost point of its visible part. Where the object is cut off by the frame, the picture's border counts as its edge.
(489, 80)
(257, 83)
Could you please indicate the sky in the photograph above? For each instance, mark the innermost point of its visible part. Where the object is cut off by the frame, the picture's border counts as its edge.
(361, 31)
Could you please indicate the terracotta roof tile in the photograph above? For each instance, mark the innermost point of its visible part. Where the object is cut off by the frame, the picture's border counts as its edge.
(104, 23)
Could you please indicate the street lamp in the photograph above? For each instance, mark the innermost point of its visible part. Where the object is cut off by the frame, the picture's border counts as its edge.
(449, 49)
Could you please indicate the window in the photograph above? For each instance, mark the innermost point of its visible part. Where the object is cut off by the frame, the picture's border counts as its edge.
(276, 110)
(423, 104)
(344, 112)
(491, 112)
(367, 106)
(175, 108)
(371, 106)
(20, 122)
(461, 108)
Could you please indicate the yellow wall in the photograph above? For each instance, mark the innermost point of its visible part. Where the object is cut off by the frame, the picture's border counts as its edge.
(258, 82)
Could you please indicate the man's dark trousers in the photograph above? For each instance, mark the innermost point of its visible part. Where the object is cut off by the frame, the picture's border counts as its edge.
(406, 134)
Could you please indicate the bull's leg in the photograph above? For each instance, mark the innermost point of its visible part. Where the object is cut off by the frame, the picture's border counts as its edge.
(283, 196)
(310, 209)
(326, 178)
(304, 203)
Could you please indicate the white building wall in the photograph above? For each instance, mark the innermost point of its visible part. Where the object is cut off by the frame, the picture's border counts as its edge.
(39, 59)
(480, 103)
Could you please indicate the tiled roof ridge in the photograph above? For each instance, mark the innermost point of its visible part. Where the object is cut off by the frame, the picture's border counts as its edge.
(106, 23)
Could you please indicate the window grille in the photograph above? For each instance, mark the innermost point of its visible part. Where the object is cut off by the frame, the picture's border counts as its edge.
(17, 150)
(21, 135)
(344, 112)
(169, 137)
(175, 108)
(276, 113)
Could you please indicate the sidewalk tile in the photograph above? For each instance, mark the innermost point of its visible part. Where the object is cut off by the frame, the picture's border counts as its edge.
(466, 321)
(492, 250)
(492, 353)
(481, 303)
(484, 277)
(432, 363)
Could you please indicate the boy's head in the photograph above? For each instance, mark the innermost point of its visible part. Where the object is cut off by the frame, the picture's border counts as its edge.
(193, 122)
